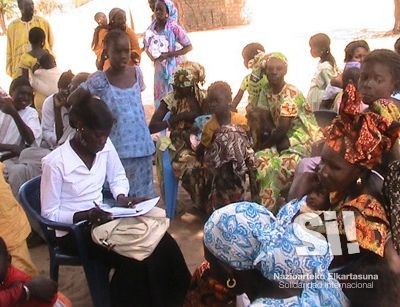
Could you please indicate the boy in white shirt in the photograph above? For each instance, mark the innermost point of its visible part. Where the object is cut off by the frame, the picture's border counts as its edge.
(19, 123)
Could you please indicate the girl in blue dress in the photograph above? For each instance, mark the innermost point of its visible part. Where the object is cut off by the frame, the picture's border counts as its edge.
(120, 87)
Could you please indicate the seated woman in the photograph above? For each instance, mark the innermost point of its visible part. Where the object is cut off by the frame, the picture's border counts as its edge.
(72, 182)
(293, 121)
(184, 105)
(227, 150)
(275, 244)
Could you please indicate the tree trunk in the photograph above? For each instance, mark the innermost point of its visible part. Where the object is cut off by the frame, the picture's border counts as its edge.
(396, 28)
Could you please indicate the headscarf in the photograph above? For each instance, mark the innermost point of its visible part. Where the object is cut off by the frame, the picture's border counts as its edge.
(189, 74)
(172, 10)
(247, 236)
(391, 191)
(363, 136)
(277, 55)
(232, 233)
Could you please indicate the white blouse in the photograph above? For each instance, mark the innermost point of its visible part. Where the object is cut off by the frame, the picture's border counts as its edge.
(68, 186)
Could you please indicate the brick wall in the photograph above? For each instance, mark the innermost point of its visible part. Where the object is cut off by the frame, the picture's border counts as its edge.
(211, 14)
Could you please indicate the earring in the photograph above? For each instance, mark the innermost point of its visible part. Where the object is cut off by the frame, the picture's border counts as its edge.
(359, 181)
(231, 283)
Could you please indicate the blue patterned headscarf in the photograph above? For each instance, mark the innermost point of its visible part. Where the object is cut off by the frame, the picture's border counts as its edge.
(232, 233)
(172, 10)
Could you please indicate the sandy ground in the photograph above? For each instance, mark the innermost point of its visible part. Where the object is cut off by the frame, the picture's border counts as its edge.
(284, 25)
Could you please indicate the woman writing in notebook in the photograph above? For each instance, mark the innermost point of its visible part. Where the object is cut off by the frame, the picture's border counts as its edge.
(72, 180)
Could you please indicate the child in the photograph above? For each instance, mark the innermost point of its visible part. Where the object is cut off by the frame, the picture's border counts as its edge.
(102, 25)
(19, 123)
(326, 70)
(379, 80)
(44, 79)
(29, 60)
(355, 53)
(253, 82)
(227, 150)
(120, 87)
(19, 289)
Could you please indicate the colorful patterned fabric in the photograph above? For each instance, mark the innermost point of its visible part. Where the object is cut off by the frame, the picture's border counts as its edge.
(290, 102)
(275, 170)
(212, 126)
(228, 158)
(386, 108)
(186, 167)
(163, 71)
(277, 55)
(172, 10)
(255, 81)
(253, 85)
(391, 191)
(247, 236)
(231, 144)
(364, 137)
(190, 74)
(372, 225)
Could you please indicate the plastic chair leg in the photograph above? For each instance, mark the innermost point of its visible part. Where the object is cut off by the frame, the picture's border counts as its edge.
(54, 270)
(170, 185)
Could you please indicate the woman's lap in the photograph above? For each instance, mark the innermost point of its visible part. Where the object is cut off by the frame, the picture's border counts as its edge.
(274, 173)
(160, 280)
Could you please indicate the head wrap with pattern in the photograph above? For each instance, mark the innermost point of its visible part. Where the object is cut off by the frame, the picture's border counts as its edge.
(189, 74)
(172, 10)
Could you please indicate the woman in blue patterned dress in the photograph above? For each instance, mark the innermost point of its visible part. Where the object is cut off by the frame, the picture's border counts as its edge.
(120, 88)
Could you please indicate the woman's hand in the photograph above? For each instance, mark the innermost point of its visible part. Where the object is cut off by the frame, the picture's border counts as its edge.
(163, 56)
(129, 202)
(42, 288)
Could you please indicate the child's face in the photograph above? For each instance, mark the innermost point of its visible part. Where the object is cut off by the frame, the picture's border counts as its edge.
(315, 51)
(217, 101)
(359, 54)
(375, 82)
(101, 20)
(22, 97)
(276, 71)
(119, 53)
(318, 200)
